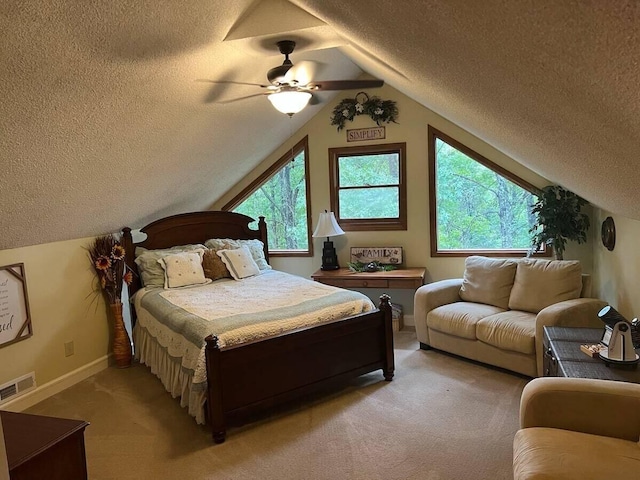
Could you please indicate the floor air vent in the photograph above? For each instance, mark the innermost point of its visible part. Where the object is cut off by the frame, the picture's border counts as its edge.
(17, 387)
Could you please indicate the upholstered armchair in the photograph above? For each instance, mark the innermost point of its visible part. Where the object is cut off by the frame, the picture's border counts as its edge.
(578, 428)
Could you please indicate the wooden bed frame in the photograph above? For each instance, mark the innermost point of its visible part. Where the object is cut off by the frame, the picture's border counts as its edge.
(257, 375)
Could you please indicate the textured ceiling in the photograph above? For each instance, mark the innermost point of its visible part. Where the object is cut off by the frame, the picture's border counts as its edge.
(103, 121)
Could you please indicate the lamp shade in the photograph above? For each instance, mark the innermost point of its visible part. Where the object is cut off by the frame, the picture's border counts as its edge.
(327, 226)
(289, 101)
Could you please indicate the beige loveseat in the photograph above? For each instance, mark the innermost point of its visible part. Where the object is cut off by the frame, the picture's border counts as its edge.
(496, 313)
(574, 428)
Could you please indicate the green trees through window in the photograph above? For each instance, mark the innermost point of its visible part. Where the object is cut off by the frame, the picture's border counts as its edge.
(368, 188)
(476, 206)
(281, 195)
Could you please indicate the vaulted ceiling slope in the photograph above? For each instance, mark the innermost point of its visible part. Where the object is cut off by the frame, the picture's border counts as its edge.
(103, 121)
(553, 84)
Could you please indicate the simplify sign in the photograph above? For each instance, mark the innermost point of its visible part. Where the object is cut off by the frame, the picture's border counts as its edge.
(363, 134)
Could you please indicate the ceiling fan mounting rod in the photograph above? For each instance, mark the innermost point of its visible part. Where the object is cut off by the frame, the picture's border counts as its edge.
(286, 47)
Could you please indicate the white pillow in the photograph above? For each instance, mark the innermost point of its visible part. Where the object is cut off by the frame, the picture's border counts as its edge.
(239, 262)
(182, 269)
(151, 271)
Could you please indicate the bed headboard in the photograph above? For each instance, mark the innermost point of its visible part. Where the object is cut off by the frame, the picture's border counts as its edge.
(193, 227)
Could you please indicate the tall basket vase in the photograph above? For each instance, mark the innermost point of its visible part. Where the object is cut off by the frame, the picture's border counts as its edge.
(121, 341)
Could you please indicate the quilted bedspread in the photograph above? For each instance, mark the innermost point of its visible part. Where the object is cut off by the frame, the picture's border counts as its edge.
(238, 311)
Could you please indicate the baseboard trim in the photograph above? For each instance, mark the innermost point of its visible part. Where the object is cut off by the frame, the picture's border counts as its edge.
(56, 386)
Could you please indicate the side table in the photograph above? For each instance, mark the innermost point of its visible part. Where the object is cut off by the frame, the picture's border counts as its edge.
(402, 278)
(345, 278)
(563, 357)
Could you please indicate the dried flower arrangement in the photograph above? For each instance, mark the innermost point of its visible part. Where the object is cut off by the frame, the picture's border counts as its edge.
(107, 257)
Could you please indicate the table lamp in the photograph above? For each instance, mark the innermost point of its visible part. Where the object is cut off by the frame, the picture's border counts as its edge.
(328, 227)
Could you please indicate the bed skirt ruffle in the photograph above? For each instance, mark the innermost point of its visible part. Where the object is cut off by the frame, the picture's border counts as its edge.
(176, 379)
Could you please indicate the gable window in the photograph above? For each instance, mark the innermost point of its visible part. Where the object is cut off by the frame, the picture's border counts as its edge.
(476, 206)
(368, 186)
(281, 195)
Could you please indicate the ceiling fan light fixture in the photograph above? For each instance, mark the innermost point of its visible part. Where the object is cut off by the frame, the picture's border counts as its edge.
(289, 101)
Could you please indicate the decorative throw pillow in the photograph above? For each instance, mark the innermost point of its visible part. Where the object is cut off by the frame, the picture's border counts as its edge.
(540, 283)
(488, 280)
(213, 266)
(182, 269)
(151, 272)
(256, 247)
(239, 262)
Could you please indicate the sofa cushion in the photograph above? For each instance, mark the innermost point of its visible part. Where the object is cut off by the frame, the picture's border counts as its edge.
(543, 453)
(540, 283)
(488, 280)
(512, 330)
(459, 318)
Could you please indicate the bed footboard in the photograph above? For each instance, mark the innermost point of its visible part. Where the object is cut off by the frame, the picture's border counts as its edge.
(258, 375)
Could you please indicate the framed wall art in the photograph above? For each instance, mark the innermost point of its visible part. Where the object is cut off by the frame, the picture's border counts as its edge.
(15, 320)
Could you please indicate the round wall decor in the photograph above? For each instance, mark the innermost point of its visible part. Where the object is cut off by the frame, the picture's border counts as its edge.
(608, 233)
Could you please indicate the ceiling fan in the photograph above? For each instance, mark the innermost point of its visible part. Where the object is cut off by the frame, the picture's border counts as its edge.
(291, 87)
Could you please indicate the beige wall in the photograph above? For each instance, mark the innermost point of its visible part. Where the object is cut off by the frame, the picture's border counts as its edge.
(63, 308)
(412, 129)
(616, 272)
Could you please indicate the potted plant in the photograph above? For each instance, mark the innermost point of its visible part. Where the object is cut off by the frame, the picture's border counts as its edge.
(559, 219)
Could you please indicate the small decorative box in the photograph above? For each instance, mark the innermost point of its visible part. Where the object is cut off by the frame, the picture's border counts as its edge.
(592, 350)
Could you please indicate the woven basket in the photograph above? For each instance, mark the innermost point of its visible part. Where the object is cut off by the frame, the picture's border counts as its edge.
(121, 341)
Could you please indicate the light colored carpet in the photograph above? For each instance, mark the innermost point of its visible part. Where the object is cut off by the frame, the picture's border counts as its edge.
(440, 418)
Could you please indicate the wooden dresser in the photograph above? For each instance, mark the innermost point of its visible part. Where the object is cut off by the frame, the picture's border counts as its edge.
(44, 447)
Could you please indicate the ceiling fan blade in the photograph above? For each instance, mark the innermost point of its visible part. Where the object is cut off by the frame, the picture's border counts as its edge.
(302, 72)
(231, 82)
(345, 84)
(242, 98)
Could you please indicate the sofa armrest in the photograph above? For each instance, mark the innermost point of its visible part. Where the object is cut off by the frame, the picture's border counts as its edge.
(430, 296)
(599, 407)
(580, 312)
(436, 294)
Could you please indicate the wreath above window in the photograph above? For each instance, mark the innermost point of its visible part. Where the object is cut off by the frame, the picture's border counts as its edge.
(380, 111)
